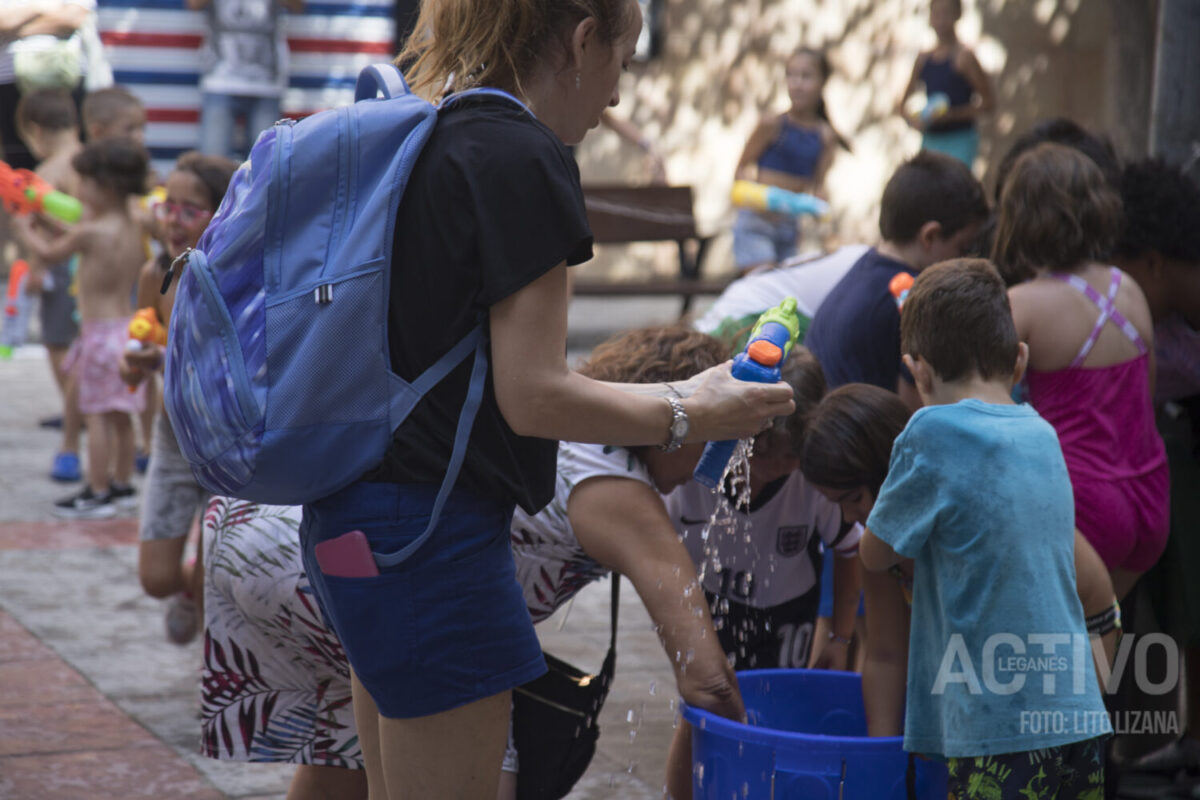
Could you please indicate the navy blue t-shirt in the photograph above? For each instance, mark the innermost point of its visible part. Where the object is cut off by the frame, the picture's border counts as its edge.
(856, 331)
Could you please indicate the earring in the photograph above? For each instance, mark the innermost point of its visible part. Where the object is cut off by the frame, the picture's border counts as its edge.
(578, 80)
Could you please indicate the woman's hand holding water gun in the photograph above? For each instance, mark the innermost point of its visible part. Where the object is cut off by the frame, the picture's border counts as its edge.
(721, 407)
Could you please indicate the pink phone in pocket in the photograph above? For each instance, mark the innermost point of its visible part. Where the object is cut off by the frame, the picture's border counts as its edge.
(347, 556)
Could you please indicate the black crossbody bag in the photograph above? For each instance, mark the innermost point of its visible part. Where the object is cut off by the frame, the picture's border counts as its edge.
(554, 721)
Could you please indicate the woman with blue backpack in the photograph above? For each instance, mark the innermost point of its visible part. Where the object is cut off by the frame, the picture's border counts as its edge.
(491, 217)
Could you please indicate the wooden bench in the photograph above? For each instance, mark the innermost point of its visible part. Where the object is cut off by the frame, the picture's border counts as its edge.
(625, 214)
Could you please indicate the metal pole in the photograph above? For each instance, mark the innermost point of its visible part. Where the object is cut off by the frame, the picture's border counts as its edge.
(1175, 109)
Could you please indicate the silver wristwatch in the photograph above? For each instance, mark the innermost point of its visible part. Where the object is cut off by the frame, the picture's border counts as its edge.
(679, 426)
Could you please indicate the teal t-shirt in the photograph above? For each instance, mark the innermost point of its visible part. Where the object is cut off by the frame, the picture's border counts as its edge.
(998, 659)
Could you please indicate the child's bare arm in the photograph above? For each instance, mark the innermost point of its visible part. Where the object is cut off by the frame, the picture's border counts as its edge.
(51, 250)
(877, 555)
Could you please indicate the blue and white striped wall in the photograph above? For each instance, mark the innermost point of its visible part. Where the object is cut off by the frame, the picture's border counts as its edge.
(154, 49)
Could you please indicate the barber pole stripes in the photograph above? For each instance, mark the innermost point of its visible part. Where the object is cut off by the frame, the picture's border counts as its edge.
(154, 49)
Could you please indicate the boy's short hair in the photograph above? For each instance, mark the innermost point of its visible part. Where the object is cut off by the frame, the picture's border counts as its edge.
(957, 319)
(930, 187)
(1056, 212)
(104, 106)
(49, 109)
(1162, 212)
(114, 163)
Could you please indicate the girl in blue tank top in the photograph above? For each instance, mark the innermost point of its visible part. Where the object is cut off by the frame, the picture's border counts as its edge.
(957, 89)
(793, 151)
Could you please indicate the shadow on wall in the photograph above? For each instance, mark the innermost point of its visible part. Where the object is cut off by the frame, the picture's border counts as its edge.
(721, 69)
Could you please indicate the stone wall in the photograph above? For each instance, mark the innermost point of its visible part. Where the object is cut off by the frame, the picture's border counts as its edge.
(721, 68)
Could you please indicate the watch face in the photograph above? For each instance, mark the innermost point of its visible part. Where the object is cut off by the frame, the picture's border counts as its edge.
(679, 428)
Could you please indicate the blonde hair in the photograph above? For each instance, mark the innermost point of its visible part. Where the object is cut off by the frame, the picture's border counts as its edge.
(457, 44)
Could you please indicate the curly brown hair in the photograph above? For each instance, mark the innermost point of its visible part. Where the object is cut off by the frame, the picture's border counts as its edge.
(114, 163)
(654, 354)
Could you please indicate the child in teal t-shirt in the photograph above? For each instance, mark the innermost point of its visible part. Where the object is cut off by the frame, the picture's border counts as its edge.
(978, 494)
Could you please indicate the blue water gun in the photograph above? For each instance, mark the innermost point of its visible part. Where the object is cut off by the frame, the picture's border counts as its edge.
(770, 342)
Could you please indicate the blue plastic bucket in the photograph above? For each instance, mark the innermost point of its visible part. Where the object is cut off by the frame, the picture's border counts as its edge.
(807, 738)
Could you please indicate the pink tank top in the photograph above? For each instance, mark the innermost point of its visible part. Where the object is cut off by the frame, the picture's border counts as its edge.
(1103, 415)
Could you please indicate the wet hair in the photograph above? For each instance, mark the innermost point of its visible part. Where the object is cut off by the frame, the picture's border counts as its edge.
(214, 172)
(850, 437)
(1162, 212)
(826, 70)
(457, 44)
(930, 187)
(1061, 130)
(49, 109)
(103, 107)
(803, 373)
(114, 163)
(958, 320)
(654, 354)
(1056, 212)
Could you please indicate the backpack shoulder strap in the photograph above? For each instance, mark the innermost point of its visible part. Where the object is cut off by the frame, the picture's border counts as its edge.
(385, 79)
(476, 341)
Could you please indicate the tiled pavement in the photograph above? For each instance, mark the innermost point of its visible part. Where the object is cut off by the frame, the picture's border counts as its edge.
(96, 704)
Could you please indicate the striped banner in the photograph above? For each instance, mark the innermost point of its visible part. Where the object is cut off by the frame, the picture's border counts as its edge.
(154, 49)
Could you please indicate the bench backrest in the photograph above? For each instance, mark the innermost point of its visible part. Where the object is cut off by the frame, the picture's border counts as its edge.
(640, 213)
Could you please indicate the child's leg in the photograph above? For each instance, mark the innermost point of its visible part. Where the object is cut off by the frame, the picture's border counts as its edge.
(99, 451)
(72, 426)
(160, 567)
(1123, 580)
(146, 418)
(121, 427)
(193, 570)
(327, 783)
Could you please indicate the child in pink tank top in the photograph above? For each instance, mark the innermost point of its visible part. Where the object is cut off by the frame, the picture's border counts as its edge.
(1091, 361)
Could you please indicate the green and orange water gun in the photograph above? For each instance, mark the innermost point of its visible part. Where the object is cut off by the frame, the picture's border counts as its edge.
(23, 192)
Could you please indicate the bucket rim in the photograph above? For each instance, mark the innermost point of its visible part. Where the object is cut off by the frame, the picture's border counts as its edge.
(710, 723)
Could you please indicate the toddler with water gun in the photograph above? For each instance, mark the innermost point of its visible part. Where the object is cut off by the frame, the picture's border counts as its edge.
(48, 122)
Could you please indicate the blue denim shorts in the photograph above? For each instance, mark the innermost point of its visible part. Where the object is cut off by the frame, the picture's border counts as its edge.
(446, 627)
(763, 239)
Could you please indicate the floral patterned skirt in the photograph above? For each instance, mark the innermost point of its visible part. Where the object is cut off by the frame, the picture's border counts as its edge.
(276, 684)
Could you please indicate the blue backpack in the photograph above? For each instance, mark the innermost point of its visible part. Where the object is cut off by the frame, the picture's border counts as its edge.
(278, 379)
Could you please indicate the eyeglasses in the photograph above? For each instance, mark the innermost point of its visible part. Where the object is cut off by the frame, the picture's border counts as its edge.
(188, 215)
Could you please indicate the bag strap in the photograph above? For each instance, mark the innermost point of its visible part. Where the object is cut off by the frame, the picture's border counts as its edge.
(610, 660)
(476, 340)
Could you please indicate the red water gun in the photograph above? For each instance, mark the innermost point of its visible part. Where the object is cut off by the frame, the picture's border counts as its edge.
(16, 309)
(22, 192)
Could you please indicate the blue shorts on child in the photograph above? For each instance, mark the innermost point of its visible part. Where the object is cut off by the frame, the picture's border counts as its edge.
(444, 628)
